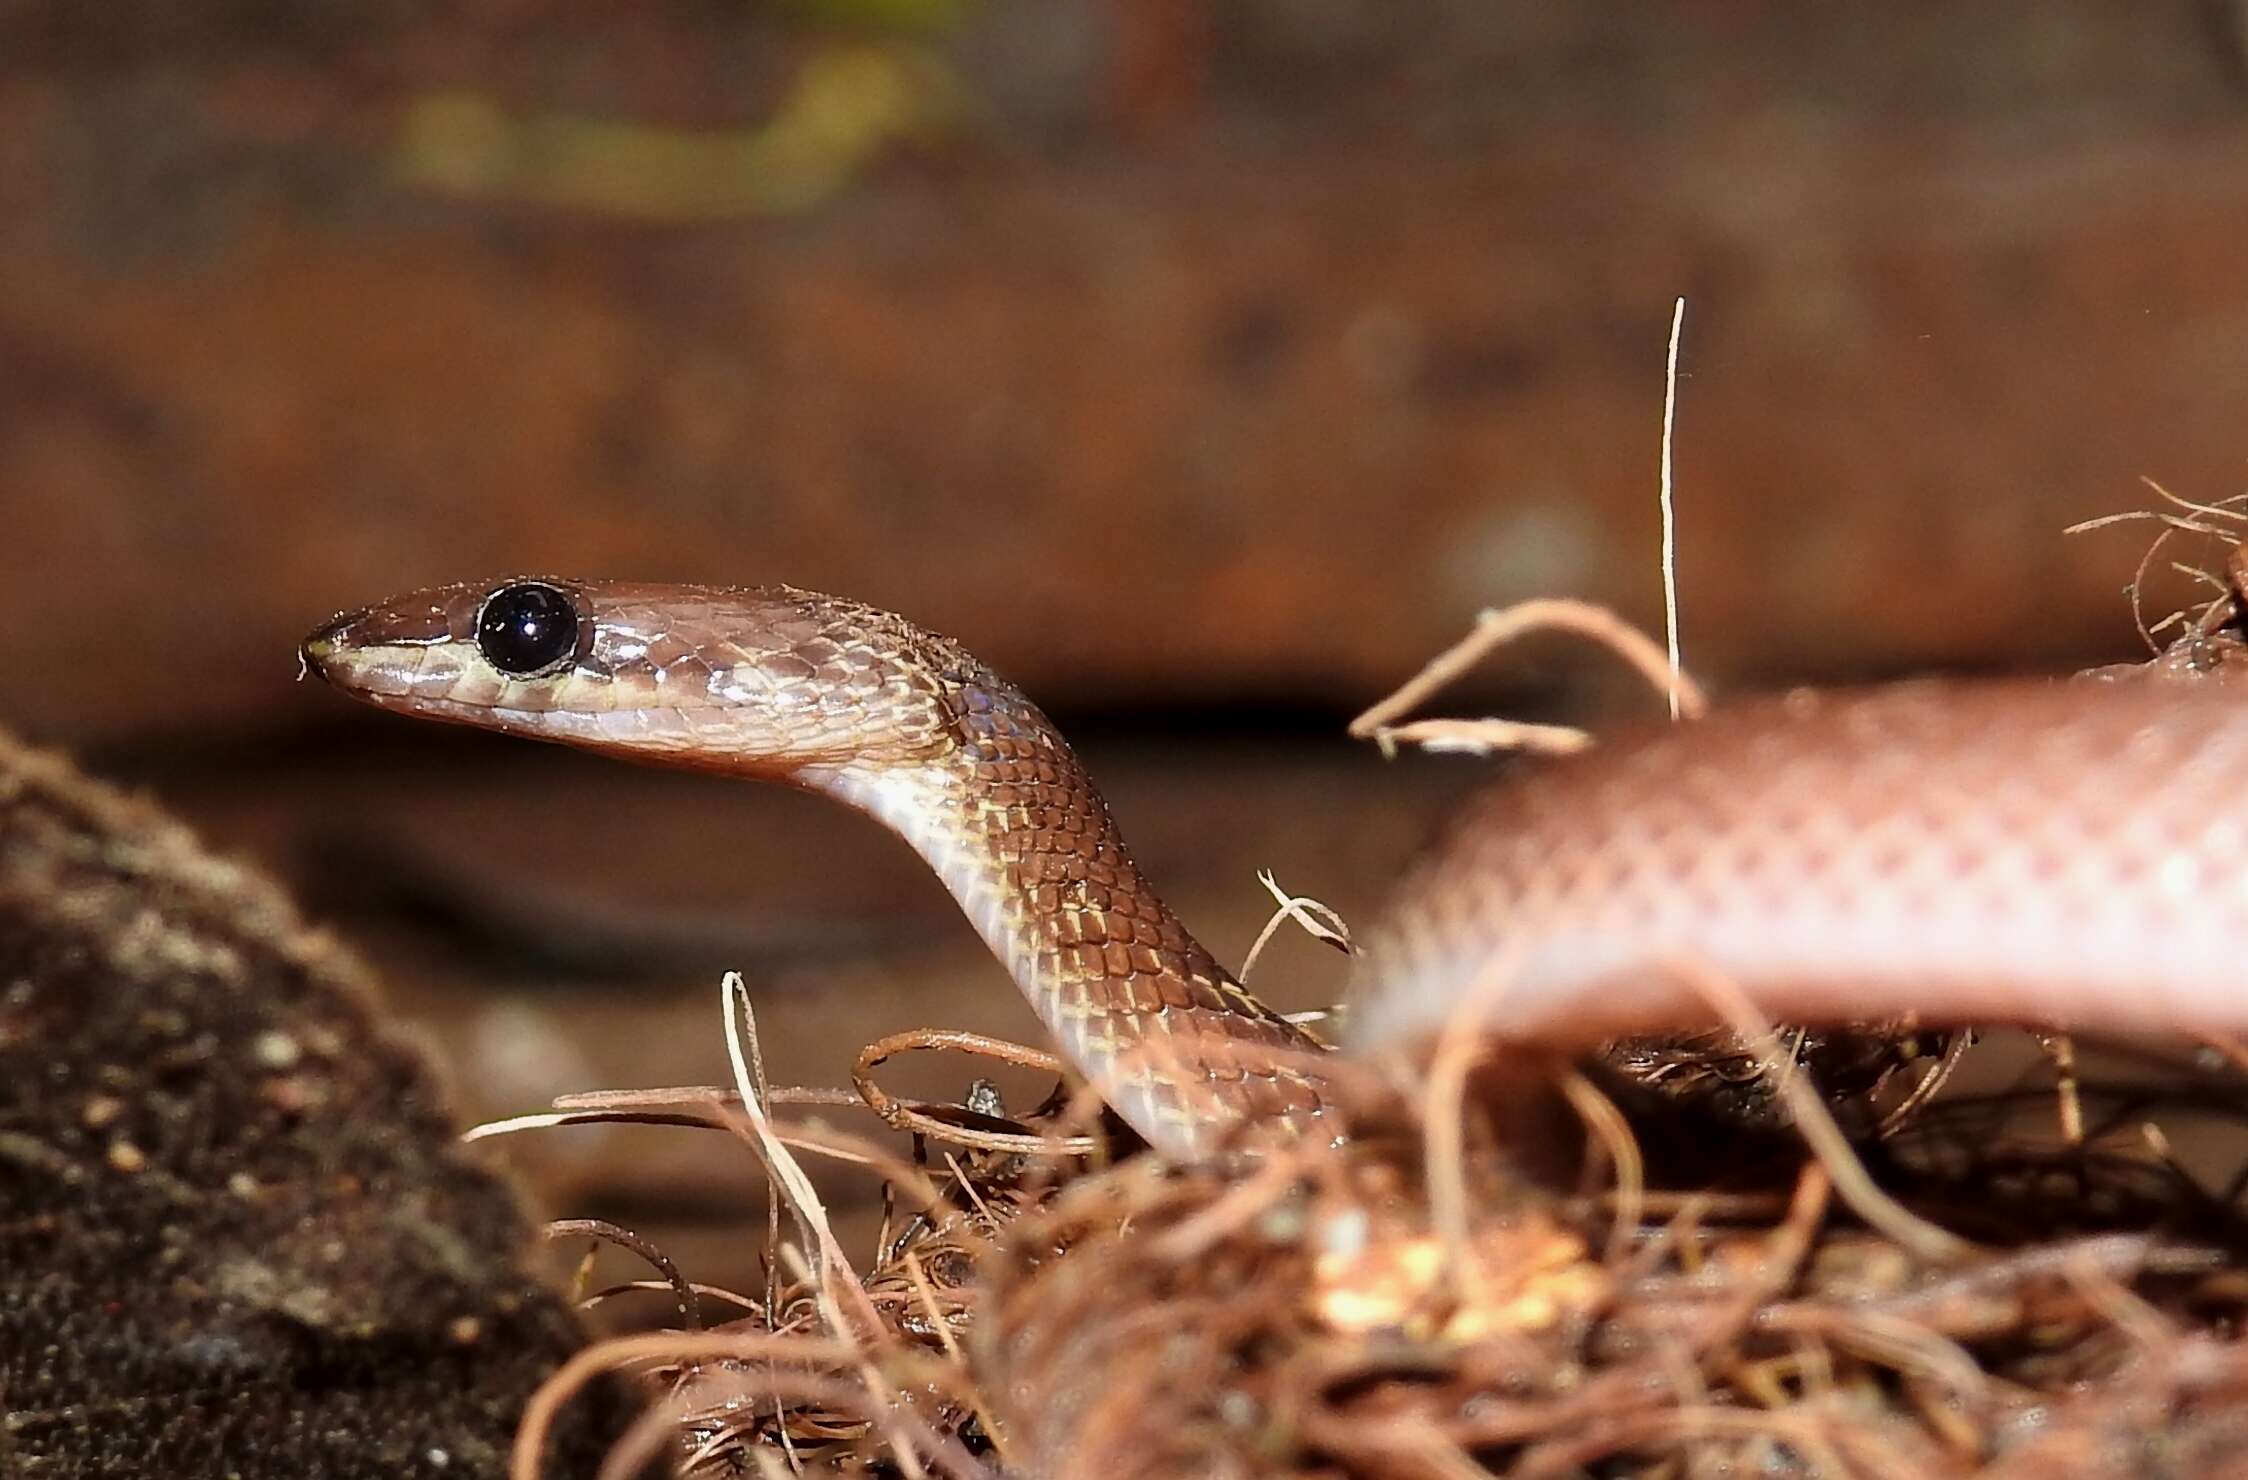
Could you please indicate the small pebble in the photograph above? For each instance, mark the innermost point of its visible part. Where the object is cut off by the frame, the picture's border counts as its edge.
(276, 1050)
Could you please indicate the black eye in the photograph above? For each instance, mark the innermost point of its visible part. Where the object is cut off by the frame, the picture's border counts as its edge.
(526, 629)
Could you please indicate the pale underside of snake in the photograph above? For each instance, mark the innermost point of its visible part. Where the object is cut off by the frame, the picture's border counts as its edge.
(2070, 855)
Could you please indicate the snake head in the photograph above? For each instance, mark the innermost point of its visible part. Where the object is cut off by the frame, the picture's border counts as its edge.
(767, 681)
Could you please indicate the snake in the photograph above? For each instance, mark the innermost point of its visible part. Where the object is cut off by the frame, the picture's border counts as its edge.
(2071, 855)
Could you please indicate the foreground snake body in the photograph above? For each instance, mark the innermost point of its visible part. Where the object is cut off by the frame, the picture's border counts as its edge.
(2073, 855)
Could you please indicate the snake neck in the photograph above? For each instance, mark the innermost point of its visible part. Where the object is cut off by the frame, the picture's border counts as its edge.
(1008, 819)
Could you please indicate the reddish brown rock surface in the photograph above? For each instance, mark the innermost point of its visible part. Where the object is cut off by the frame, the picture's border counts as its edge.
(1251, 372)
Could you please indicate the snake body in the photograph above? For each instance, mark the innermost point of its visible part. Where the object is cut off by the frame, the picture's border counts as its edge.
(2065, 854)
(2073, 855)
(858, 704)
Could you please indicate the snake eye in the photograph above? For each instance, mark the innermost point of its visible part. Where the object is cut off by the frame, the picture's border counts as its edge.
(526, 629)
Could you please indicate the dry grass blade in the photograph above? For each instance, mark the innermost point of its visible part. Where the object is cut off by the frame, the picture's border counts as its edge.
(1670, 508)
(917, 1119)
(1459, 1044)
(834, 1271)
(600, 1230)
(1319, 921)
(701, 1094)
(748, 1305)
(1493, 630)
(1816, 1123)
(550, 1119)
(1612, 1132)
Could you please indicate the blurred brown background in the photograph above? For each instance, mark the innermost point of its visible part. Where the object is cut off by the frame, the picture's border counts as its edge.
(1203, 363)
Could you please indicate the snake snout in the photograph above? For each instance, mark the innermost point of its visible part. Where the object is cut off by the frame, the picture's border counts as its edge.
(403, 648)
(319, 651)
(321, 646)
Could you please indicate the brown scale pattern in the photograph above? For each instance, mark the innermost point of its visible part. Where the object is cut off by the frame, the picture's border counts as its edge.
(2072, 853)
(1132, 994)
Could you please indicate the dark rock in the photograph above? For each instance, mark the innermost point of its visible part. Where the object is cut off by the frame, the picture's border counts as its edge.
(237, 1235)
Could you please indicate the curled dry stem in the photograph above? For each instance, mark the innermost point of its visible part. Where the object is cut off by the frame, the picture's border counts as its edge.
(1494, 629)
(602, 1231)
(1319, 921)
(916, 1119)
(1816, 1124)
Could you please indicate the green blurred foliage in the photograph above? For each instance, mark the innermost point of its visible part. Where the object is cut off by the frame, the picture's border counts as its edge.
(850, 104)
